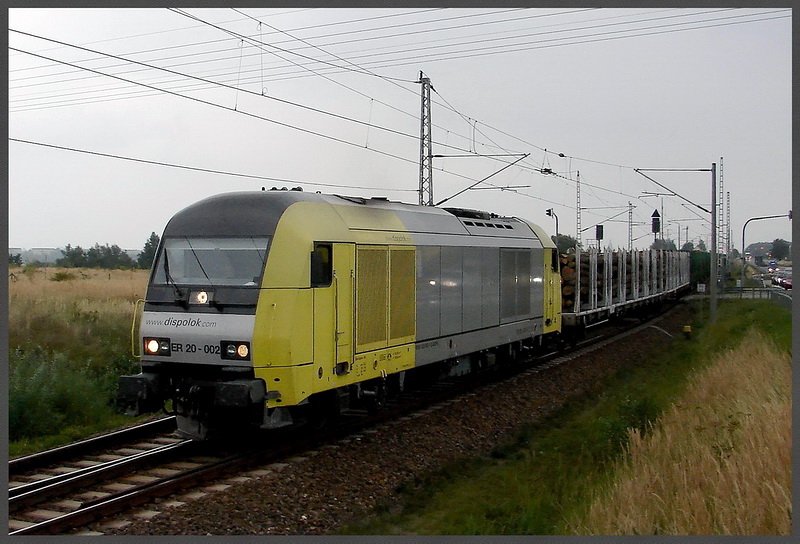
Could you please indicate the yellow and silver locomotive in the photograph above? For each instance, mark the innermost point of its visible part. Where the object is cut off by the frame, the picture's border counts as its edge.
(264, 308)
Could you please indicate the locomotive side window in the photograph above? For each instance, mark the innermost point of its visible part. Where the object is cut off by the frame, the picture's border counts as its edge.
(321, 265)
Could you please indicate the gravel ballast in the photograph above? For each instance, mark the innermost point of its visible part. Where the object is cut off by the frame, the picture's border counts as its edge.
(342, 482)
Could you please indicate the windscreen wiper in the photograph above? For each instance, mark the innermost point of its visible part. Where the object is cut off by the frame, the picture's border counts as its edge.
(213, 301)
(196, 258)
(170, 280)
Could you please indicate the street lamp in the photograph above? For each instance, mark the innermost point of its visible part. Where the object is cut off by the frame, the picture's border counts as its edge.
(789, 215)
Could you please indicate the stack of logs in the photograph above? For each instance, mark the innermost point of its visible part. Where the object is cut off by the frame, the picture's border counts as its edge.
(568, 279)
(629, 276)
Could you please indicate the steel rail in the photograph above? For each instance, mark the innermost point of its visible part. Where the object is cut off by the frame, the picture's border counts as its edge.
(40, 459)
(36, 492)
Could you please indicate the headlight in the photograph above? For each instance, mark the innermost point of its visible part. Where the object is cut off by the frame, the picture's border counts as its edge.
(234, 350)
(157, 346)
(201, 297)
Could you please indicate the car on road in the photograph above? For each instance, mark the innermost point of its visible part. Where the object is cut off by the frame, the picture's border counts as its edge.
(782, 279)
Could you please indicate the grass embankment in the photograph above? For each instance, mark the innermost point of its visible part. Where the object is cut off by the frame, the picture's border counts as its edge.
(545, 479)
(69, 340)
(717, 462)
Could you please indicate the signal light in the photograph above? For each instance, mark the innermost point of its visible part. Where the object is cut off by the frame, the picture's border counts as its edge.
(656, 221)
(656, 224)
(598, 232)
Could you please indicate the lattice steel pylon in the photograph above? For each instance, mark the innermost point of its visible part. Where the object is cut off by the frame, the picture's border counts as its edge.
(721, 223)
(578, 206)
(728, 225)
(425, 145)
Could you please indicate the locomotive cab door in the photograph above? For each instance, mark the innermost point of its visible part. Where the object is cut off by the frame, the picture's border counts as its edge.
(344, 284)
(332, 279)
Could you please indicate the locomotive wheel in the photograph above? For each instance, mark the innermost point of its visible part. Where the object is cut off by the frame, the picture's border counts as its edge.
(324, 409)
(377, 397)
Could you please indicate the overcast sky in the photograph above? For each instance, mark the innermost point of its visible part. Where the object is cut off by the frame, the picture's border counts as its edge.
(328, 100)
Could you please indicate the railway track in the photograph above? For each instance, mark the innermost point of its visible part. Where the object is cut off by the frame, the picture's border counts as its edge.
(28, 463)
(57, 491)
(54, 483)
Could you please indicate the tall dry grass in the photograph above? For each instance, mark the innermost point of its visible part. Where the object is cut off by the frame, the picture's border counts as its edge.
(69, 341)
(717, 462)
(75, 310)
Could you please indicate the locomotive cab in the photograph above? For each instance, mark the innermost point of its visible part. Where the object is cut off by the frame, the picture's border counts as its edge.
(196, 330)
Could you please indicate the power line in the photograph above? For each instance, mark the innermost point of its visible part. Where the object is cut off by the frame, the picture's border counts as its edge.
(220, 84)
(533, 169)
(535, 45)
(214, 104)
(358, 69)
(188, 76)
(596, 26)
(576, 29)
(588, 160)
(287, 125)
(231, 21)
(199, 169)
(260, 43)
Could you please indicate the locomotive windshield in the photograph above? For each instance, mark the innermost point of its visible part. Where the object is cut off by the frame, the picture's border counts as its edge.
(211, 261)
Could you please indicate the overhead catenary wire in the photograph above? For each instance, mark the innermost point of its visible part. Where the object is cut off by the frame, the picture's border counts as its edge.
(357, 68)
(225, 172)
(479, 52)
(639, 171)
(237, 89)
(220, 84)
(602, 162)
(221, 106)
(317, 110)
(746, 15)
(147, 34)
(201, 169)
(335, 43)
(252, 115)
(589, 160)
(281, 49)
(533, 45)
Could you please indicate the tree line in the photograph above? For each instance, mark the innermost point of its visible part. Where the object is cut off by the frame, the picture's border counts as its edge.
(114, 257)
(105, 256)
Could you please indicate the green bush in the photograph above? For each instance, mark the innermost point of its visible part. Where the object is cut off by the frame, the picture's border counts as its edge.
(46, 394)
(62, 276)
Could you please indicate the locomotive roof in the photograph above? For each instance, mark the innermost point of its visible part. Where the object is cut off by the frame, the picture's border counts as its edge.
(256, 213)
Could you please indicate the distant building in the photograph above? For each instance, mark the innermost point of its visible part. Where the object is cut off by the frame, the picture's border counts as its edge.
(44, 255)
